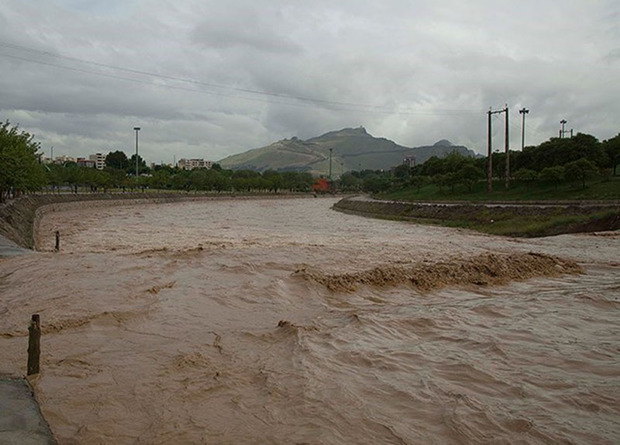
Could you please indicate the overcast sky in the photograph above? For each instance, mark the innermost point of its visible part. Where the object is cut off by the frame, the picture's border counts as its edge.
(211, 78)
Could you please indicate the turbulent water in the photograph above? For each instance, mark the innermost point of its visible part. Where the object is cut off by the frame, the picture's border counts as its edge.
(282, 321)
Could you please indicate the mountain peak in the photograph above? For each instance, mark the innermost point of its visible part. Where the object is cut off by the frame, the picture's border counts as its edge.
(359, 131)
(348, 148)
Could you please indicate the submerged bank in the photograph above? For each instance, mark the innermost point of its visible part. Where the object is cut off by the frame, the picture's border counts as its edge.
(511, 219)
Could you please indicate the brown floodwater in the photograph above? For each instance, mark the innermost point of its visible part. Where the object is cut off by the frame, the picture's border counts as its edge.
(283, 321)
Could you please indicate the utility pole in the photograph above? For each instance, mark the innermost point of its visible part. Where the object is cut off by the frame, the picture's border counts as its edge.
(490, 147)
(562, 123)
(137, 129)
(52, 155)
(506, 144)
(330, 163)
(489, 155)
(523, 111)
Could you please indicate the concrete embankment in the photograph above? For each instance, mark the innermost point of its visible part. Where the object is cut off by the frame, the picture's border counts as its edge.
(21, 422)
(479, 214)
(19, 218)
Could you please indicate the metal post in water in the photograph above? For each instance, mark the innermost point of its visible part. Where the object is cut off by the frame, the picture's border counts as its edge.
(34, 344)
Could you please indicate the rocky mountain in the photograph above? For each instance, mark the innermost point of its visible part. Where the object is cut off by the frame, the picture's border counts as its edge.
(352, 149)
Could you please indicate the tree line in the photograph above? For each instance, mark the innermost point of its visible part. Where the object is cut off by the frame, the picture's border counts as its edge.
(576, 159)
(214, 179)
(556, 161)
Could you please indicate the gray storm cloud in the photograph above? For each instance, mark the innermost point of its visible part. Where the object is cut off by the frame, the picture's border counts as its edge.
(209, 79)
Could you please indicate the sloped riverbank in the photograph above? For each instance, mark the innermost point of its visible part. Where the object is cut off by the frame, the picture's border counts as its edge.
(19, 218)
(512, 219)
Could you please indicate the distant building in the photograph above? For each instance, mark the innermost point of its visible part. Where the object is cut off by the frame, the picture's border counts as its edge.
(99, 159)
(190, 164)
(62, 159)
(83, 162)
(162, 164)
(409, 161)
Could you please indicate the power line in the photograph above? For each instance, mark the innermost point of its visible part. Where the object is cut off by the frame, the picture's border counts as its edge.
(345, 106)
(180, 79)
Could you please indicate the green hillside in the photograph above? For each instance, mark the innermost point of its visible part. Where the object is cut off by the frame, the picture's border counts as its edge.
(352, 149)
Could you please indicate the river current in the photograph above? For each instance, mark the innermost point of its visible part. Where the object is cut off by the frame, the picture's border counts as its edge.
(219, 322)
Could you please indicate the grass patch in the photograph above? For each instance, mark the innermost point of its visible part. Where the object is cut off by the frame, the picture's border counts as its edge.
(518, 221)
(602, 189)
(531, 226)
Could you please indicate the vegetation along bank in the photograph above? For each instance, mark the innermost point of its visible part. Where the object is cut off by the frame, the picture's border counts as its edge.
(523, 220)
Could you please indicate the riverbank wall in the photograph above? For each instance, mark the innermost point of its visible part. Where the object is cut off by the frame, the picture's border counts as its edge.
(20, 218)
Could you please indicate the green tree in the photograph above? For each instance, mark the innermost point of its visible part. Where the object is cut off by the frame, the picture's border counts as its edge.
(552, 175)
(612, 149)
(433, 166)
(72, 176)
(349, 182)
(274, 179)
(419, 181)
(220, 180)
(118, 178)
(54, 175)
(376, 183)
(131, 168)
(469, 175)
(182, 181)
(402, 172)
(527, 176)
(561, 151)
(20, 170)
(117, 159)
(160, 179)
(581, 170)
(455, 161)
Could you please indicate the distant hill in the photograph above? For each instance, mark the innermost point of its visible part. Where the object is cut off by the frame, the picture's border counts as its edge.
(352, 149)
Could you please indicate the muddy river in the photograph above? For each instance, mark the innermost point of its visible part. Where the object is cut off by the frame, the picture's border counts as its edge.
(283, 321)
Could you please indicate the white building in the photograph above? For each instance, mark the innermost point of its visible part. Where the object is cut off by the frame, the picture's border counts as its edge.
(63, 159)
(99, 159)
(190, 164)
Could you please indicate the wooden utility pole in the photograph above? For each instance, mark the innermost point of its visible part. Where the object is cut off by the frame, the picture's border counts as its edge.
(490, 147)
(34, 344)
(489, 155)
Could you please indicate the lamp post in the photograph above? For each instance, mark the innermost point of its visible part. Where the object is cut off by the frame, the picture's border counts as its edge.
(523, 111)
(137, 129)
(330, 163)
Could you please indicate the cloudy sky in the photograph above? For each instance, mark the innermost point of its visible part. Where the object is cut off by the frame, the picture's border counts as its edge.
(210, 78)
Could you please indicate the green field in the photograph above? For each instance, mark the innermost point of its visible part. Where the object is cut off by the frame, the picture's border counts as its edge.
(605, 189)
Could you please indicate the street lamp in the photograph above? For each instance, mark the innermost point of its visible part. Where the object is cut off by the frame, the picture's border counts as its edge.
(523, 111)
(137, 168)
